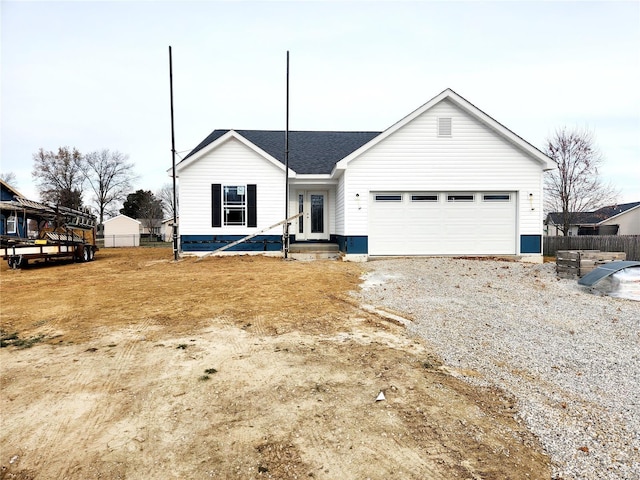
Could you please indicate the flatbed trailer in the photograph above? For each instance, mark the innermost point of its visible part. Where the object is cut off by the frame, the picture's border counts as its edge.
(19, 255)
(60, 233)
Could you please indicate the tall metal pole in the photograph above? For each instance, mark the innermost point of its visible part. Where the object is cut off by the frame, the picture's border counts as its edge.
(173, 162)
(285, 240)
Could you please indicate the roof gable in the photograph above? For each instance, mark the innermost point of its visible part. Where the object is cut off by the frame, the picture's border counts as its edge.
(469, 108)
(7, 192)
(311, 153)
(122, 216)
(217, 138)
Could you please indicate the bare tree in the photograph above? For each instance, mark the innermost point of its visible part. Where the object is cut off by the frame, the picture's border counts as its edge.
(9, 178)
(145, 207)
(59, 176)
(109, 174)
(165, 194)
(576, 186)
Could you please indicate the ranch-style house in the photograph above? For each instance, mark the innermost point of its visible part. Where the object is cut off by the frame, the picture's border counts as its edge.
(447, 179)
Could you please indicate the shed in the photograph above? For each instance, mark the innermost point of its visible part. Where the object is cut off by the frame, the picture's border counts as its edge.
(121, 231)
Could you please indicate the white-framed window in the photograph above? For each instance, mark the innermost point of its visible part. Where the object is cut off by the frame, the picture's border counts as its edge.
(424, 197)
(234, 204)
(460, 197)
(444, 126)
(389, 197)
(12, 224)
(496, 197)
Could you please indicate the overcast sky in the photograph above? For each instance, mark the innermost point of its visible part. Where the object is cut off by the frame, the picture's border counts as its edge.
(95, 75)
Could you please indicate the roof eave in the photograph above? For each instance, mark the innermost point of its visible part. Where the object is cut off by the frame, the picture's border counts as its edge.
(324, 178)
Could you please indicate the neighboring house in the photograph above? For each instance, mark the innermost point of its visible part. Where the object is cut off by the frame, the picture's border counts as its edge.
(11, 223)
(122, 231)
(166, 230)
(623, 219)
(17, 214)
(150, 226)
(445, 180)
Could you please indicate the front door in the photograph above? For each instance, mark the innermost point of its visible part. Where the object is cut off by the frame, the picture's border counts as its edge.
(313, 224)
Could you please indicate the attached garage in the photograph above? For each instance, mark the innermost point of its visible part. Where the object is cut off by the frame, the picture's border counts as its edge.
(442, 223)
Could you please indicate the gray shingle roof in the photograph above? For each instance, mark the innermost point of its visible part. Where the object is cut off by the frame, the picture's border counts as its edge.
(595, 217)
(309, 152)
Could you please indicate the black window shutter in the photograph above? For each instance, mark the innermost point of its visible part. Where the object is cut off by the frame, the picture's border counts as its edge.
(216, 205)
(252, 213)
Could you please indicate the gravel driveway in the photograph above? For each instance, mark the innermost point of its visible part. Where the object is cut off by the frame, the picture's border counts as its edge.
(568, 356)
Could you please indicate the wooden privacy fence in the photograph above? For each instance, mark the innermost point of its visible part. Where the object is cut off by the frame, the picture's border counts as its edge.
(629, 244)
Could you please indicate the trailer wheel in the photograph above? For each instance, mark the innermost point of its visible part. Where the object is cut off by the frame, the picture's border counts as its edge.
(91, 254)
(17, 262)
(85, 254)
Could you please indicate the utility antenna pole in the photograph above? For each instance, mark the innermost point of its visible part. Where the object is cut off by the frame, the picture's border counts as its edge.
(285, 236)
(173, 162)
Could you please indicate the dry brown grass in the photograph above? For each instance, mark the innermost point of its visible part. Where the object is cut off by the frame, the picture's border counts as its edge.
(116, 388)
(125, 285)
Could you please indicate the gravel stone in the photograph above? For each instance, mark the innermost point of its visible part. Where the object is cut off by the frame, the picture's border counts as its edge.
(568, 356)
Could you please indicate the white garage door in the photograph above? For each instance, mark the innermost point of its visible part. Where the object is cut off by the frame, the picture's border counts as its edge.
(442, 223)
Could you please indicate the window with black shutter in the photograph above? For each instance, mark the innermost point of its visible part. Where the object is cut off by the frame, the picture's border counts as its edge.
(216, 205)
(234, 205)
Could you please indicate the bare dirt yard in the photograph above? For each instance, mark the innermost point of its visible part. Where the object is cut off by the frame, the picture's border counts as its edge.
(135, 366)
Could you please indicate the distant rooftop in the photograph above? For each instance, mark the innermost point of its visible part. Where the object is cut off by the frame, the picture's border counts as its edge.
(595, 217)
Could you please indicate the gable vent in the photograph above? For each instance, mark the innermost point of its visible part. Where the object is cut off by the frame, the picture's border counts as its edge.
(444, 126)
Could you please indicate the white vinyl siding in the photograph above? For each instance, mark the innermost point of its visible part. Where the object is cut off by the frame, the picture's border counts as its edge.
(475, 159)
(232, 163)
(628, 221)
(338, 207)
(122, 231)
(331, 208)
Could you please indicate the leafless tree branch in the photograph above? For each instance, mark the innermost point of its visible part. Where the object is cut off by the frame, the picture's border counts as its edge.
(109, 175)
(575, 186)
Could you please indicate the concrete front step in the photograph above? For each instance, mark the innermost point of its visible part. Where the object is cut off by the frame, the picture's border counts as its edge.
(312, 247)
(314, 251)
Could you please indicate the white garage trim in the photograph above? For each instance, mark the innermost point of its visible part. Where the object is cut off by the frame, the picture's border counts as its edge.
(442, 223)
